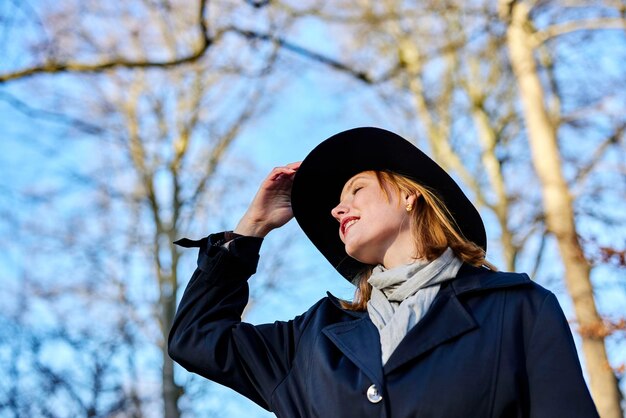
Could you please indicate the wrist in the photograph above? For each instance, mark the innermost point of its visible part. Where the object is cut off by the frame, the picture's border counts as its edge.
(251, 229)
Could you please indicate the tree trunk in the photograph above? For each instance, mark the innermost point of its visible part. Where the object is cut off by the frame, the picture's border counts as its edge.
(167, 301)
(558, 207)
(171, 391)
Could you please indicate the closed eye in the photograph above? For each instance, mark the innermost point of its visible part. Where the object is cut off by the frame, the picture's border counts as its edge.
(356, 189)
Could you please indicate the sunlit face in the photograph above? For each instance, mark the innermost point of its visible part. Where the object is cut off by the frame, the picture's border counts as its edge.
(373, 225)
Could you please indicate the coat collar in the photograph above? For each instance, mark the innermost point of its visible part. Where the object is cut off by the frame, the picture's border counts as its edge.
(446, 319)
(469, 279)
(476, 279)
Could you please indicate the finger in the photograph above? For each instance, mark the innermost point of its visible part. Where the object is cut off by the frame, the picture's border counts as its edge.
(279, 172)
(281, 169)
(286, 178)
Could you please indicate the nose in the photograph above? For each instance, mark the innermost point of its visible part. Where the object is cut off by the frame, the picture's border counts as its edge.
(338, 211)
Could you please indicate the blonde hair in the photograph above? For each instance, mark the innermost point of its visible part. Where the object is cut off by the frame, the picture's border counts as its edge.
(434, 230)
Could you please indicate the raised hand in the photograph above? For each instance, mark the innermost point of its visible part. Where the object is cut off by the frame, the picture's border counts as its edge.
(271, 206)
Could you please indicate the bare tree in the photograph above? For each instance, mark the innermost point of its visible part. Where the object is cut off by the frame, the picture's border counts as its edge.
(156, 87)
(558, 204)
(152, 133)
(447, 63)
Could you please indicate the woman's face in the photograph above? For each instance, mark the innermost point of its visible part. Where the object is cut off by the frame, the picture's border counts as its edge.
(373, 225)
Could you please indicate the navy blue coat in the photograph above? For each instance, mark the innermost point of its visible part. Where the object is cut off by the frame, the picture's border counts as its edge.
(491, 345)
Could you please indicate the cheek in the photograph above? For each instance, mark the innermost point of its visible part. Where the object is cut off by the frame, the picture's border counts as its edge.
(374, 232)
(390, 216)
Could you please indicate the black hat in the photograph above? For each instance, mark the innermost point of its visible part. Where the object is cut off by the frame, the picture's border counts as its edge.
(323, 173)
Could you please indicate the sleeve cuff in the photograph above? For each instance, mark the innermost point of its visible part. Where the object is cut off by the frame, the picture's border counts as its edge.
(244, 248)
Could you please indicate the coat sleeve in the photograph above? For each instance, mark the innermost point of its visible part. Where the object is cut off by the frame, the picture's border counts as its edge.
(556, 383)
(209, 338)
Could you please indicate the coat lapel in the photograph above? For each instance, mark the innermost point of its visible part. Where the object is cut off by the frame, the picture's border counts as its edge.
(446, 319)
(359, 341)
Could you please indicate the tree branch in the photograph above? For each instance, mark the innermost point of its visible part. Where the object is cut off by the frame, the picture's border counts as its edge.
(47, 115)
(53, 66)
(299, 50)
(584, 171)
(342, 66)
(539, 254)
(258, 3)
(589, 24)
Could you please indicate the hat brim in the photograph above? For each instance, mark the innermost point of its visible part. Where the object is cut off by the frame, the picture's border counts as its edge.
(323, 173)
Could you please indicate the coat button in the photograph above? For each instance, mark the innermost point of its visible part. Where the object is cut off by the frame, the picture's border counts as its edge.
(372, 394)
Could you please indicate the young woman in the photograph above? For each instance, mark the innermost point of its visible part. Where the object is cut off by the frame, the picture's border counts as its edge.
(433, 330)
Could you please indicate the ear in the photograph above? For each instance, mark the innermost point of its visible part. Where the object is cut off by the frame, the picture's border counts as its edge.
(410, 198)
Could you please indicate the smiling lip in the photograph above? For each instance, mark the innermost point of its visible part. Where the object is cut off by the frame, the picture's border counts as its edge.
(345, 222)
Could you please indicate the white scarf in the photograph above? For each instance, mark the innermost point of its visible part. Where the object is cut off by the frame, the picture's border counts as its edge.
(402, 295)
